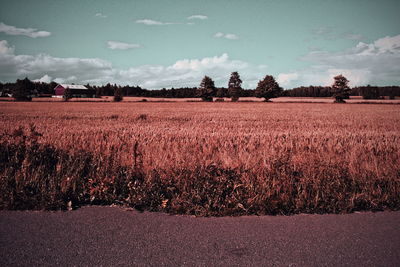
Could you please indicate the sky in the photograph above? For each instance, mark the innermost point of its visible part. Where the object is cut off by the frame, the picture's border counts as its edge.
(174, 43)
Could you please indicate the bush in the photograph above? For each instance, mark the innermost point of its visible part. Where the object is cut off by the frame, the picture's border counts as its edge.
(142, 117)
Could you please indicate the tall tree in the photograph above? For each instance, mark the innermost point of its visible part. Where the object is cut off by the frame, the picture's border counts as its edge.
(118, 94)
(23, 89)
(268, 88)
(340, 88)
(206, 89)
(234, 86)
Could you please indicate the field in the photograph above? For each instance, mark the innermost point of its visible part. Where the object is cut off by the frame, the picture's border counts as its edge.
(201, 158)
(352, 100)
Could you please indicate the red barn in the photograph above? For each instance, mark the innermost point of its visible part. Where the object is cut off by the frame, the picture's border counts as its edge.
(76, 90)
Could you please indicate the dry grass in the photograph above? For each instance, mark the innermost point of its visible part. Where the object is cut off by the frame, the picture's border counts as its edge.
(202, 158)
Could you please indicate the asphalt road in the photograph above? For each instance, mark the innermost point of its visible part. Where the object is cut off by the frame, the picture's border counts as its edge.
(112, 236)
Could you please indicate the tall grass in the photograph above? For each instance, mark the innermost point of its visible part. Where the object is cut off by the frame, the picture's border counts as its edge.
(201, 158)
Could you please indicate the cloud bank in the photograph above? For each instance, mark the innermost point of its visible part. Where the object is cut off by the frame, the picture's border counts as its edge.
(375, 63)
(185, 72)
(30, 32)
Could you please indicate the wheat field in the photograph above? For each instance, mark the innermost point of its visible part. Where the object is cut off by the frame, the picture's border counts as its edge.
(201, 158)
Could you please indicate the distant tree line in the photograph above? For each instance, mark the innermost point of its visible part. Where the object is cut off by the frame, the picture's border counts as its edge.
(25, 89)
(367, 92)
(376, 92)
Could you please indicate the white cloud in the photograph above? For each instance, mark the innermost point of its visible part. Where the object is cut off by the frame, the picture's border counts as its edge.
(100, 15)
(284, 79)
(5, 48)
(189, 72)
(329, 33)
(353, 36)
(185, 72)
(36, 66)
(30, 32)
(229, 36)
(121, 45)
(45, 79)
(201, 17)
(375, 63)
(151, 22)
(70, 79)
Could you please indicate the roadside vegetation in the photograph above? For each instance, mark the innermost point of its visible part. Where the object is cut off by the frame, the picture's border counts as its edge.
(206, 159)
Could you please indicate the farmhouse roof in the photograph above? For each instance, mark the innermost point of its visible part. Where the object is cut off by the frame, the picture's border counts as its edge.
(73, 86)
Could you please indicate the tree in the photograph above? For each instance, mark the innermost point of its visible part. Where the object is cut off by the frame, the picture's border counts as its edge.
(369, 92)
(234, 86)
(206, 89)
(118, 94)
(67, 94)
(221, 92)
(268, 88)
(99, 91)
(340, 88)
(22, 90)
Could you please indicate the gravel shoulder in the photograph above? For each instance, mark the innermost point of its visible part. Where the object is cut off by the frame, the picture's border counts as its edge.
(114, 236)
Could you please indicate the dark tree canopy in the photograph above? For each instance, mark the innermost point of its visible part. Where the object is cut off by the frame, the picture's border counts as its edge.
(268, 88)
(234, 86)
(118, 94)
(206, 89)
(23, 89)
(369, 92)
(67, 94)
(340, 88)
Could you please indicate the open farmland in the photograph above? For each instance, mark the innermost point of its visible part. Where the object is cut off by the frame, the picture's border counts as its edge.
(201, 158)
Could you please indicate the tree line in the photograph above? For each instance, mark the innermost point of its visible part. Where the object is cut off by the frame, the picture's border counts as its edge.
(25, 89)
(367, 92)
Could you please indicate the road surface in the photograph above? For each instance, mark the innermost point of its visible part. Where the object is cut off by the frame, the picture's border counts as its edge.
(113, 236)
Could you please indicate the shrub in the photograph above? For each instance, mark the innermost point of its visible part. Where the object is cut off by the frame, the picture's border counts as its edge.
(142, 117)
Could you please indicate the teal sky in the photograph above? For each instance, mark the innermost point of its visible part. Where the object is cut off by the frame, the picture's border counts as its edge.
(299, 42)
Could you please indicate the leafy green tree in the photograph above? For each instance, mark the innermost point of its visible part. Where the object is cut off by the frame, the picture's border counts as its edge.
(234, 86)
(340, 89)
(23, 89)
(118, 97)
(206, 89)
(268, 88)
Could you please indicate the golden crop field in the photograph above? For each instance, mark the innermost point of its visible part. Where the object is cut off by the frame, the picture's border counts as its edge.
(202, 158)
